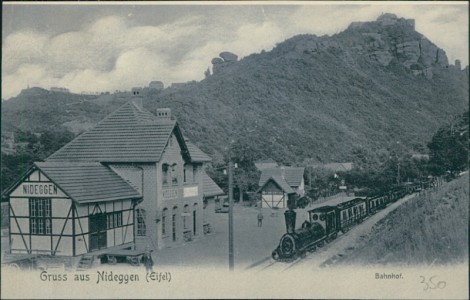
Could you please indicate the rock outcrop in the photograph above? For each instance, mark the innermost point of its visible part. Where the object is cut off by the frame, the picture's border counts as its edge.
(226, 59)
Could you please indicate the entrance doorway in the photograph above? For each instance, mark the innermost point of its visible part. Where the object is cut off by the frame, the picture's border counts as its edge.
(97, 229)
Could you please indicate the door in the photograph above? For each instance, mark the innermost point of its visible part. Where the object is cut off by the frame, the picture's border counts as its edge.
(97, 229)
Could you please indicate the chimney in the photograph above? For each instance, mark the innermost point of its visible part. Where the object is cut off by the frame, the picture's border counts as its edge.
(164, 113)
(137, 97)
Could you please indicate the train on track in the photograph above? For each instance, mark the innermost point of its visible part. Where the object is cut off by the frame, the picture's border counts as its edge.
(326, 222)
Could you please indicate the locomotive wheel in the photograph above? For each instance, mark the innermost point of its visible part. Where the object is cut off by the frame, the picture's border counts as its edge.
(334, 236)
(321, 244)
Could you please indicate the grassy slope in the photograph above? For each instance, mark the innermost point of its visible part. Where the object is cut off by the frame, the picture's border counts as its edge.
(430, 229)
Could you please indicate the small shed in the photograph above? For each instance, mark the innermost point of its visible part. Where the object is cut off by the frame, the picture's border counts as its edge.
(276, 184)
(275, 192)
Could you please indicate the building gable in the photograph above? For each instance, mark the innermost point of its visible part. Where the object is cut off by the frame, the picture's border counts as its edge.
(37, 185)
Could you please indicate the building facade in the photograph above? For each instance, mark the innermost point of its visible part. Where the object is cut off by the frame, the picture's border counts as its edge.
(153, 187)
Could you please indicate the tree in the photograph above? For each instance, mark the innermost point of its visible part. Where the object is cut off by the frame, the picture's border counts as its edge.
(449, 147)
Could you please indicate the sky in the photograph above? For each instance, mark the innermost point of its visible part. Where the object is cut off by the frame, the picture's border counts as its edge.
(116, 46)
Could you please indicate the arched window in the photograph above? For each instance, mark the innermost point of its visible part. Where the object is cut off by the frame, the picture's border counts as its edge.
(165, 171)
(173, 222)
(164, 214)
(185, 216)
(174, 174)
(194, 218)
(141, 228)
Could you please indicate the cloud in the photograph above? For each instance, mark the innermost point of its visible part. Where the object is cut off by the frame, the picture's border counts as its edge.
(117, 53)
(106, 55)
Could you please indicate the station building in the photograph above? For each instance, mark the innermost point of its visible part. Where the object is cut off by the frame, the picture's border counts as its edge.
(131, 181)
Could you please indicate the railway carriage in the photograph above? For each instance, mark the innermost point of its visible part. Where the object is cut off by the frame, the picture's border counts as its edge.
(350, 213)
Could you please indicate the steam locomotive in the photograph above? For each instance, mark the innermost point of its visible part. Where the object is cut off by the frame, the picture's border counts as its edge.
(326, 222)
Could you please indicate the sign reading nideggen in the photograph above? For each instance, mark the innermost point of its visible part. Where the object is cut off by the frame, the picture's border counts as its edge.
(38, 189)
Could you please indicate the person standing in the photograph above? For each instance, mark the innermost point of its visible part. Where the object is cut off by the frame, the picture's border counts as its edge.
(260, 219)
(148, 261)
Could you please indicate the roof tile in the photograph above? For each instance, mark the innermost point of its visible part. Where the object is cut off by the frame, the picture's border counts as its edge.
(88, 182)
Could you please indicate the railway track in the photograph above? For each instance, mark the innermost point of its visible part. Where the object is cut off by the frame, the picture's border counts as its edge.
(268, 263)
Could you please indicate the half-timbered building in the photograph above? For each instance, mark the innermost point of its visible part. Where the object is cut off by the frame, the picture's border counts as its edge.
(69, 209)
(276, 184)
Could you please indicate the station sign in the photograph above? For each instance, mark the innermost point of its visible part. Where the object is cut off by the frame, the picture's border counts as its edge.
(192, 191)
(37, 189)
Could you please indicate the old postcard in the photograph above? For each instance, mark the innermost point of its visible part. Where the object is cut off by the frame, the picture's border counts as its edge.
(158, 150)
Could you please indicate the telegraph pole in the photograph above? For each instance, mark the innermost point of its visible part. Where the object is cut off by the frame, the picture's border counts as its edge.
(398, 173)
(230, 216)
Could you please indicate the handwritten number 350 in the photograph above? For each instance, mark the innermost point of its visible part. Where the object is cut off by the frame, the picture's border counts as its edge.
(431, 285)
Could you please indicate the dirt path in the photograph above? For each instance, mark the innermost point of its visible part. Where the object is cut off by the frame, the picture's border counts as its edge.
(345, 243)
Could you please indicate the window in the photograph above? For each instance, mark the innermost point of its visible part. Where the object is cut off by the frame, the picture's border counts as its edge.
(194, 173)
(185, 216)
(194, 218)
(40, 216)
(141, 228)
(174, 174)
(114, 220)
(173, 222)
(165, 172)
(164, 213)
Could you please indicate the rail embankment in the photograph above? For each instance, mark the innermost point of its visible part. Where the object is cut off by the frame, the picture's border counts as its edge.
(431, 229)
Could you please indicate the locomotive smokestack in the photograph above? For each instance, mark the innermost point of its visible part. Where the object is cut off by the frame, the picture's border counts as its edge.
(290, 216)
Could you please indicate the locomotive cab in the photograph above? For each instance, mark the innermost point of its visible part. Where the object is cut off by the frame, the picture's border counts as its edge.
(326, 217)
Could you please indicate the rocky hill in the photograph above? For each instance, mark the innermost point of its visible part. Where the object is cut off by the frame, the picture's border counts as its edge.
(330, 98)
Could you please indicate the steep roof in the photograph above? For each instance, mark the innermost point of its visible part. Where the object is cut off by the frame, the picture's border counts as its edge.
(266, 164)
(88, 182)
(338, 167)
(211, 188)
(130, 134)
(280, 181)
(292, 175)
(196, 154)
